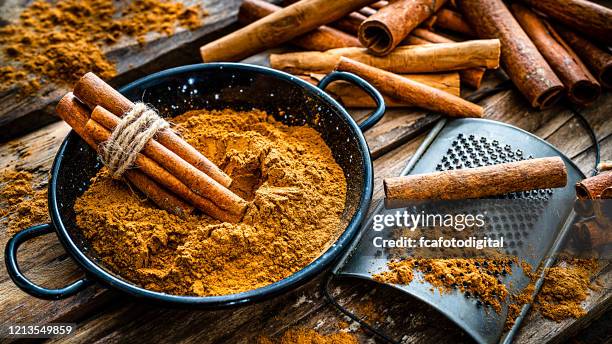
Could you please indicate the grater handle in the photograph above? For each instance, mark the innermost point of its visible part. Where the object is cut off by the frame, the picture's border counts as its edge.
(375, 115)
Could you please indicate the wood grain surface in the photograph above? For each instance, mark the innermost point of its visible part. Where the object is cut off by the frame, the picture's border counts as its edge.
(105, 316)
(128, 55)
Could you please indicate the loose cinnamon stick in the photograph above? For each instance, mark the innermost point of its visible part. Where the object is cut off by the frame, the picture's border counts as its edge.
(604, 166)
(322, 38)
(590, 234)
(521, 59)
(233, 209)
(367, 11)
(453, 21)
(587, 17)
(472, 77)
(93, 91)
(480, 181)
(404, 60)
(349, 23)
(598, 60)
(581, 86)
(76, 116)
(278, 27)
(411, 92)
(379, 4)
(385, 29)
(352, 96)
(591, 188)
(196, 180)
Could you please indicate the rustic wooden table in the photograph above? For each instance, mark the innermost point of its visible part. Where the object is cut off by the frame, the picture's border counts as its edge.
(103, 315)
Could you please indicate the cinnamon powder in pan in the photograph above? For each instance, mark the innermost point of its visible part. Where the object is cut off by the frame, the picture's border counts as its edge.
(296, 193)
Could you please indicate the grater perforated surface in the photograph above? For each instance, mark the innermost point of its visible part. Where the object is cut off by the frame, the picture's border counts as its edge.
(533, 223)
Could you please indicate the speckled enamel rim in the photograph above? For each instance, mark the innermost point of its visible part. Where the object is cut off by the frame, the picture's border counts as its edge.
(98, 274)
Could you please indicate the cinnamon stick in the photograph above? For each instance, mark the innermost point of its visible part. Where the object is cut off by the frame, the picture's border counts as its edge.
(592, 187)
(587, 17)
(590, 234)
(404, 60)
(598, 60)
(75, 114)
(196, 180)
(581, 86)
(379, 4)
(520, 58)
(233, 209)
(453, 21)
(352, 96)
(385, 29)
(411, 92)
(277, 28)
(322, 38)
(604, 166)
(367, 11)
(479, 182)
(472, 77)
(349, 23)
(93, 91)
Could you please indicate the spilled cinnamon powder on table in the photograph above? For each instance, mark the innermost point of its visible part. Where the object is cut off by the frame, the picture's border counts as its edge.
(296, 193)
(309, 336)
(22, 203)
(566, 286)
(61, 40)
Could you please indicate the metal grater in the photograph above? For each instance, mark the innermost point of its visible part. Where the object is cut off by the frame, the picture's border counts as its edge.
(534, 229)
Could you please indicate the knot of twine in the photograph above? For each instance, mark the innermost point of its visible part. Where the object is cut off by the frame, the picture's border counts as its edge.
(136, 128)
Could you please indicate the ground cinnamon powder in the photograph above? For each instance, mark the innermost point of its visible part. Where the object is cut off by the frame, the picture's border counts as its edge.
(22, 202)
(62, 40)
(475, 277)
(296, 193)
(309, 336)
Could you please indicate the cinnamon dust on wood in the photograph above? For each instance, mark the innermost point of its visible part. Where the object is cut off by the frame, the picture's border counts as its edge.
(62, 40)
(565, 287)
(296, 193)
(22, 202)
(309, 336)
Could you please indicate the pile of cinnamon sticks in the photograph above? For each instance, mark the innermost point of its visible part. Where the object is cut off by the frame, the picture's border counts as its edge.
(170, 172)
(594, 204)
(391, 44)
(405, 47)
(559, 50)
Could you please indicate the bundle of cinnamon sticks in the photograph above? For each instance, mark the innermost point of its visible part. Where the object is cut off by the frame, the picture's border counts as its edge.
(376, 40)
(169, 171)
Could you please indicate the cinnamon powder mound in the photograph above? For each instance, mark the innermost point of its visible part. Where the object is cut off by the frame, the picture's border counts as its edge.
(565, 287)
(296, 193)
(309, 336)
(60, 41)
(476, 277)
(21, 203)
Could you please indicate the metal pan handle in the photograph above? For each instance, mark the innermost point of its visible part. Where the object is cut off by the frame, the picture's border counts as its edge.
(10, 259)
(375, 115)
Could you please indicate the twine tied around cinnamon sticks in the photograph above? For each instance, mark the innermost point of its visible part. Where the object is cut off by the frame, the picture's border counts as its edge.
(171, 173)
(136, 128)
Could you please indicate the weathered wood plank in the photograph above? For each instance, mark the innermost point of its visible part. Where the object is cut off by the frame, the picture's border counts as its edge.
(403, 317)
(37, 109)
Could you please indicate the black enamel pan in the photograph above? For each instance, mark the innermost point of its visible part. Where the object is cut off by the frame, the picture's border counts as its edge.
(211, 86)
